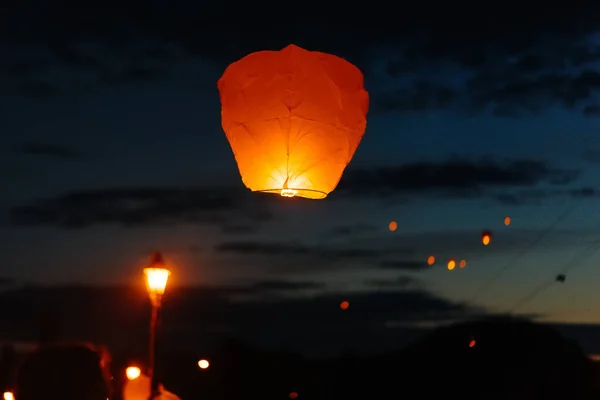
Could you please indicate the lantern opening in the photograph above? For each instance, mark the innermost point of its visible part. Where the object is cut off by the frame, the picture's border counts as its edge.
(288, 192)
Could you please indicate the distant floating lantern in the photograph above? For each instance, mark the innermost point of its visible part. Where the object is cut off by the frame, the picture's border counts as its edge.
(293, 119)
(463, 263)
(507, 221)
(472, 343)
(486, 238)
(293, 395)
(393, 226)
(430, 260)
(344, 305)
(451, 264)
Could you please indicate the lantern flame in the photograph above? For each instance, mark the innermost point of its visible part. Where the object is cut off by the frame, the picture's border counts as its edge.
(288, 192)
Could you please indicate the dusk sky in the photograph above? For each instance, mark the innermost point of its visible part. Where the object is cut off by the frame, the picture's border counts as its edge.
(112, 147)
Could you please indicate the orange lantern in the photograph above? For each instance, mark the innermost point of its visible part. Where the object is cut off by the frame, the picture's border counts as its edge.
(294, 119)
(430, 260)
(451, 264)
(486, 238)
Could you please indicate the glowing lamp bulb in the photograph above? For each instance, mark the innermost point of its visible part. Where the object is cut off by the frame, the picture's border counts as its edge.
(133, 373)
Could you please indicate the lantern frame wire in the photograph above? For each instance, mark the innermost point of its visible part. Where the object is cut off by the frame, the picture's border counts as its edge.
(294, 192)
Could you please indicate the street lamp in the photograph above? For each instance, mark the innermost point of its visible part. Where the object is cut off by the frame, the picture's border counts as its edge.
(157, 275)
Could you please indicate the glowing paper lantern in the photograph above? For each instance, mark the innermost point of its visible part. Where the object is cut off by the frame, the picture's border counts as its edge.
(451, 264)
(463, 263)
(430, 260)
(294, 119)
(393, 226)
(507, 221)
(486, 238)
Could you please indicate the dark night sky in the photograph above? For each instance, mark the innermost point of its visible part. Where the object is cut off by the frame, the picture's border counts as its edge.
(111, 147)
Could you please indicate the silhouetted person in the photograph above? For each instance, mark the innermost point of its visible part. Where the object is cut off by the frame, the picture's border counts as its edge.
(66, 372)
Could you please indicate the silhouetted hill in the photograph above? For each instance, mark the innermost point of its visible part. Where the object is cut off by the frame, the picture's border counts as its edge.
(499, 358)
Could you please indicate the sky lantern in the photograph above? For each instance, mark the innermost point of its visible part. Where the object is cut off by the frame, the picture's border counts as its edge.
(507, 221)
(393, 226)
(463, 263)
(430, 260)
(472, 343)
(451, 264)
(344, 305)
(486, 238)
(293, 119)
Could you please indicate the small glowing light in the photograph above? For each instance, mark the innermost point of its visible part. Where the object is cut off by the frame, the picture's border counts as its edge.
(8, 396)
(472, 343)
(451, 264)
(133, 373)
(344, 305)
(203, 364)
(486, 238)
(507, 221)
(393, 226)
(430, 260)
(288, 192)
(463, 263)
(293, 395)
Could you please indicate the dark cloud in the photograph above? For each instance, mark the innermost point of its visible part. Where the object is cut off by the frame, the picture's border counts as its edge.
(296, 257)
(38, 90)
(591, 110)
(237, 210)
(402, 281)
(144, 206)
(192, 315)
(420, 96)
(517, 61)
(459, 178)
(278, 286)
(48, 150)
(295, 249)
(411, 265)
(355, 229)
(134, 75)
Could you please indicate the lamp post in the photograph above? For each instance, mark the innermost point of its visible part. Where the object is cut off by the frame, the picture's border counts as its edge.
(157, 275)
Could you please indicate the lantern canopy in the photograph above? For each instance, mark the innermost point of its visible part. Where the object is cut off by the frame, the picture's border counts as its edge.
(294, 119)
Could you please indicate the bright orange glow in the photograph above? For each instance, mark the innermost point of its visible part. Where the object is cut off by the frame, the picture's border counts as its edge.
(132, 373)
(393, 226)
(507, 221)
(344, 305)
(8, 396)
(293, 395)
(430, 260)
(472, 343)
(293, 119)
(451, 264)
(486, 238)
(156, 280)
(203, 364)
(288, 192)
(463, 263)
